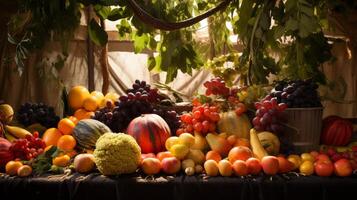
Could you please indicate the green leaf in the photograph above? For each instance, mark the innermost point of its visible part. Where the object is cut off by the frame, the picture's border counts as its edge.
(151, 63)
(291, 25)
(307, 25)
(289, 5)
(119, 13)
(308, 10)
(102, 11)
(124, 27)
(140, 42)
(278, 32)
(97, 34)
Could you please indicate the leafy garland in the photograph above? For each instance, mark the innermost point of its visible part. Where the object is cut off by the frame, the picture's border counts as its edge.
(291, 29)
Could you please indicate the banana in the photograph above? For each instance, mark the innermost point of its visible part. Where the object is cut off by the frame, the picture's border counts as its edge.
(17, 131)
(257, 147)
(9, 137)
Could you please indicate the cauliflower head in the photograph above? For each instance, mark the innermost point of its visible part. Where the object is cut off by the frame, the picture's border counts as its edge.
(117, 153)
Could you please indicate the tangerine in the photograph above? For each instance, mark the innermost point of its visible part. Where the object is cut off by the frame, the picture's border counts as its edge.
(66, 126)
(213, 155)
(91, 103)
(73, 119)
(83, 114)
(66, 142)
(61, 161)
(11, 167)
(51, 136)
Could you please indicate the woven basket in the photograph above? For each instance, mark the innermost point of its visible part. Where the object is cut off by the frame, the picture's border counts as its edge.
(304, 125)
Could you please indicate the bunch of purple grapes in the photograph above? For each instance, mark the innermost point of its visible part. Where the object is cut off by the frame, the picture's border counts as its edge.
(269, 115)
(297, 94)
(31, 113)
(141, 99)
(27, 148)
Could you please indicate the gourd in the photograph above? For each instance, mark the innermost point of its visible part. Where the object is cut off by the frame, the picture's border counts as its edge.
(87, 132)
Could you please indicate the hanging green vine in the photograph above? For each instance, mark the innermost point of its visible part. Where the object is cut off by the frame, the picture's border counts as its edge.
(277, 37)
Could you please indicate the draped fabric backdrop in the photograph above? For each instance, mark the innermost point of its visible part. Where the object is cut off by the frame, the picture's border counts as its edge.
(40, 82)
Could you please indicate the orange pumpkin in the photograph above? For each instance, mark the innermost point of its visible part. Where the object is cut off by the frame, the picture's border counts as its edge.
(150, 131)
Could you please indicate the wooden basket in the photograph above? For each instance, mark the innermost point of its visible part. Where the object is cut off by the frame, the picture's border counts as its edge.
(304, 126)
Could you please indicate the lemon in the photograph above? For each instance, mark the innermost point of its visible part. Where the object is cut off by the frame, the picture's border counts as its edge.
(307, 167)
(179, 151)
(187, 139)
(296, 160)
(307, 156)
(170, 142)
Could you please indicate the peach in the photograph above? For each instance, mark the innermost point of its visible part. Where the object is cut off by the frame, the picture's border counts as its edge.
(239, 153)
(240, 168)
(84, 163)
(171, 165)
(151, 166)
(254, 166)
(270, 165)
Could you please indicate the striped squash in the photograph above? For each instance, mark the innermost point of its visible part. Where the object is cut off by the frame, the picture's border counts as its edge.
(150, 131)
(87, 132)
(232, 124)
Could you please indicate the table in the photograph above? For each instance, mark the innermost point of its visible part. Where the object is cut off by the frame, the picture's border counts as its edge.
(200, 187)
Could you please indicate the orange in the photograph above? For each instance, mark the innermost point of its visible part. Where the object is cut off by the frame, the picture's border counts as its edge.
(73, 119)
(213, 155)
(61, 161)
(12, 167)
(66, 143)
(239, 153)
(83, 114)
(76, 97)
(51, 136)
(66, 126)
(91, 103)
(112, 95)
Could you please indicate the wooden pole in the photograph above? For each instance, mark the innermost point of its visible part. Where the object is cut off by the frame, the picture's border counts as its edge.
(90, 54)
(104, 63)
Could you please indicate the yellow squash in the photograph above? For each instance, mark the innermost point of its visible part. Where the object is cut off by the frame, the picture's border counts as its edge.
(232, 124)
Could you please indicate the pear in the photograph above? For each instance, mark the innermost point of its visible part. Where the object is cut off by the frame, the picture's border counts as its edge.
(218, 143)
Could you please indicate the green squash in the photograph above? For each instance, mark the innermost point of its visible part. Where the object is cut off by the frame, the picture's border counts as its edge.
(87, 132)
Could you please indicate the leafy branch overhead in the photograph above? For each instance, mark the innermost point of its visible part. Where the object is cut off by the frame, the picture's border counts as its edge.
(278, 37)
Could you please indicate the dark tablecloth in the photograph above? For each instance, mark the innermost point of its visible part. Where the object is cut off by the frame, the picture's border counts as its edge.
(96, 186)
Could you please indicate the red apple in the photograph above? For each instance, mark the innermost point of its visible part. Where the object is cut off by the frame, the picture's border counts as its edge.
(285, 165)
(171, 165)
(270, 165)
(147, 155)
(254, 166)
(323, 168)
(240, 168)
(314, 154)
(343, 167)
(323, 156)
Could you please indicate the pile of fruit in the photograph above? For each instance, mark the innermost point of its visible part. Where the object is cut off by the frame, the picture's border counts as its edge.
(120, 134)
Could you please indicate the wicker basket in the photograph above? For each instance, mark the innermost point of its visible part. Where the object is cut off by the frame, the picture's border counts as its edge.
(304, 125)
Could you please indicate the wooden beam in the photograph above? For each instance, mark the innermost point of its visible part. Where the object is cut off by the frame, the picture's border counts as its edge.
(90, 52)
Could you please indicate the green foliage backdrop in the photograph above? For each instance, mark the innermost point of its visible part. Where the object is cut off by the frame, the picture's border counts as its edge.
(291, 30)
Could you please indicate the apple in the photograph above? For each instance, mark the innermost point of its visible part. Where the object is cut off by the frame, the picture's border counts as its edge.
(343, 167)
(285, 165)
(323, 156)
(254, 166)
(84, 163)
(323, 168)
(314, 154)
(270, 165)
(171, 165)
(147, 155)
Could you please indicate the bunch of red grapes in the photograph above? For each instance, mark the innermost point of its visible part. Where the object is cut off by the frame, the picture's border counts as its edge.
(28, 148)
(202, 119)
(269, 115)
(217, 86)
